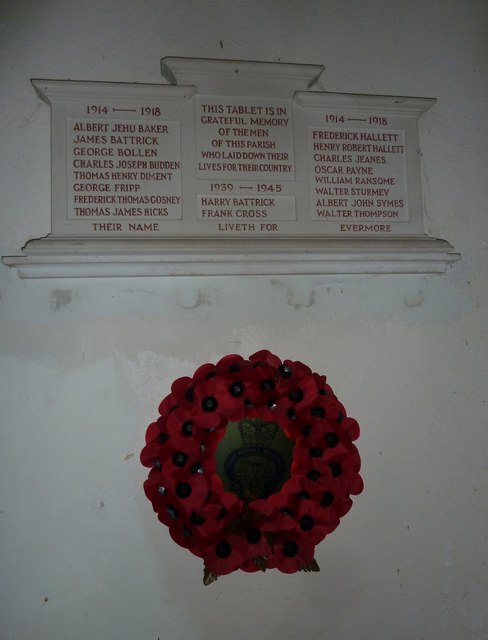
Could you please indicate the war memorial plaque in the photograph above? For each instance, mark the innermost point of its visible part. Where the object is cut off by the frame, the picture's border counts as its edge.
(227, 154)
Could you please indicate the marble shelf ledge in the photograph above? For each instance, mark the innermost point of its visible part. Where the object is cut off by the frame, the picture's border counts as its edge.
(76, 257)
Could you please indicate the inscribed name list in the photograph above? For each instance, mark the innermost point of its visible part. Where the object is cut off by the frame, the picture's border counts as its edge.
(357, 174)
(123, 169)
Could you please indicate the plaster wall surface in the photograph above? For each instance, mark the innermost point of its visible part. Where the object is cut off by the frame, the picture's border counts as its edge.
(85, 362)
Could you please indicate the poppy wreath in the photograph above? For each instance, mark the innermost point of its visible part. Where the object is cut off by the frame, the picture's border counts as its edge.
(273, 521)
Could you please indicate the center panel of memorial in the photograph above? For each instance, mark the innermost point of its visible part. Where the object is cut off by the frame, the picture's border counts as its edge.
(245, 164)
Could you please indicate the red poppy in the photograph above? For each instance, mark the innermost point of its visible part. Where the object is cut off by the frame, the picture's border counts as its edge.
(154, 486)
(150, 453)
(319, 443)
(351, 427)
(224, 554)
(308, 457)
(205, 521)
(168, 514)
(232, 364)
(300, 488)
(187, 537)
(289, 375)
(207, 437)
(185, 455)
(321, 380)
(188, 490)
(257, 543)
(292, 551)
(179, 423)
(215, 401)
(204, 372)
(343, 506)
(182, 391)
(266, 357)
(167, 405)
(292, 404)
(333, 411)
(185, 426)
(223, 507)
(164, 503)
(152, 432)
(345, 476)
(314, 521)
(301, 369)
(263, 390)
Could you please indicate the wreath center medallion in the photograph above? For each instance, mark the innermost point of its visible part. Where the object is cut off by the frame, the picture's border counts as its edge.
(252, 464)
(254, 458)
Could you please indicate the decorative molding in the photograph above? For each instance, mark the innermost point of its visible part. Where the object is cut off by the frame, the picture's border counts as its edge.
(400, 105)
(241, 77)
(63, 258)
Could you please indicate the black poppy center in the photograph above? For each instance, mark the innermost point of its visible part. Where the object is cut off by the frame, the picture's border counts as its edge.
(187, 428)
(336, 469)
(209, 404)
(306, 523)
(291, 414)
(290, 549)
(266, 385)
(253, 535)
(197, 519)
(236, 389)
(313, 474)
(223, 550)
(183, 490)
(285, 371)
(306, 430)
(172, 512)
(327, 499)
(179, 459)
(318, 411)
(296, 395)
(332, 439)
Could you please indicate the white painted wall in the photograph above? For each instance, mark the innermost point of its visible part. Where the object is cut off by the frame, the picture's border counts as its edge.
(84, 363)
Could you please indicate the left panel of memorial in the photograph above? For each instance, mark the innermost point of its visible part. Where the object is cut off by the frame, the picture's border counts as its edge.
(116, 153)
